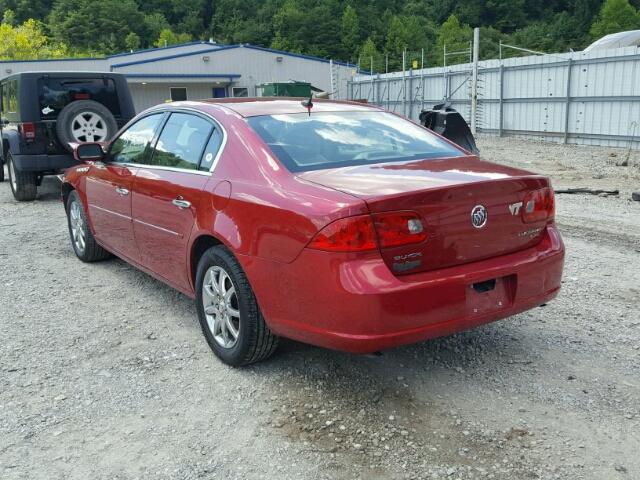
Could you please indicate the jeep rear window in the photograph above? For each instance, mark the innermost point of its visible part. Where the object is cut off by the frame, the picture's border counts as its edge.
(338, 139)
(56, 93)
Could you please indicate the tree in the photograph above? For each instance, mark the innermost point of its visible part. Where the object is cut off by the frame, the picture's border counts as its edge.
(132, 41)
(350, 31)
(9, 18)
(27, 42)
(99, 27)
(615, 16)
(369, 51)
(456, 37)
(168, 37)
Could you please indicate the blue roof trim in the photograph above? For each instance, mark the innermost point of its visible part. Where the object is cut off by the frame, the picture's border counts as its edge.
(55, 60)
(80, 59)
(298, 55)
(182, 75)
(229, 47)
(168, 57)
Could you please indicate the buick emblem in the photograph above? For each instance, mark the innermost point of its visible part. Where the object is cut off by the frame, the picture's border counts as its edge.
(479, 216)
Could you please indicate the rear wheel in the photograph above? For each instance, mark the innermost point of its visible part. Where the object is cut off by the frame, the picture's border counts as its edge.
(1, 170)
(82, 239)
(23, 184)
(228, 311)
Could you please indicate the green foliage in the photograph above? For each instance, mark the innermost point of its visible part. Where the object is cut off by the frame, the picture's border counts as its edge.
(350, 31)
(27, 41)
(456, 37)
(327, 28)
(168, 37)
(132, 41)
(92, 26)
(615, 16)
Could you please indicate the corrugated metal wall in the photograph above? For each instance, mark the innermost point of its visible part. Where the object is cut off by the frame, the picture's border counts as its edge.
(586, 98)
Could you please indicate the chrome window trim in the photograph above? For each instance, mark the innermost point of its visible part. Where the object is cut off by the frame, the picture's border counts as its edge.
(161, 167)
(217, 124)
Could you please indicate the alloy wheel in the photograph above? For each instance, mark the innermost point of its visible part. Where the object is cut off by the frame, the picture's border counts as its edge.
(89, 127)
(221, 308)
(78, 233)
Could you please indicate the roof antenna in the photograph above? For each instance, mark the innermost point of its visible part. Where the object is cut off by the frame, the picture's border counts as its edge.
(308, 104)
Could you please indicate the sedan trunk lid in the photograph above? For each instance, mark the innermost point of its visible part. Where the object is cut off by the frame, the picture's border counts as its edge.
(447, 194)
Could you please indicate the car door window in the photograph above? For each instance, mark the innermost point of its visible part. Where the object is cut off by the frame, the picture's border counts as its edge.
(130, 147)
(182, 141)
(211, 150)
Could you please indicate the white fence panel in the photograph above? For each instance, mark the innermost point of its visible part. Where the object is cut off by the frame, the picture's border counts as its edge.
(587, 98)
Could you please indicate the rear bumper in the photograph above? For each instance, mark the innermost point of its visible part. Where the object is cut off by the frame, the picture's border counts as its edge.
(358, 305)
(43, 163)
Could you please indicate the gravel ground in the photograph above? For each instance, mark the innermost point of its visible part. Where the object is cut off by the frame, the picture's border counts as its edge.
(104, 373)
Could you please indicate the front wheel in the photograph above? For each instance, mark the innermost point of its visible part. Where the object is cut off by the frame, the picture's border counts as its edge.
(228, 311)
(84, 245)
(24, 185)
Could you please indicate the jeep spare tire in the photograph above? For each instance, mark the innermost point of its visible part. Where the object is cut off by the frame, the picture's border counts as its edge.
(85, 121)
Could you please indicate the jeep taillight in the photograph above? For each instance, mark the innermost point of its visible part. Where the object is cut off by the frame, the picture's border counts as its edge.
(27, 130)
(538, 205)
(367, 232)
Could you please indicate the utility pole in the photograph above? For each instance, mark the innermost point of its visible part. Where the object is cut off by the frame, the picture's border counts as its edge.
(474, 80)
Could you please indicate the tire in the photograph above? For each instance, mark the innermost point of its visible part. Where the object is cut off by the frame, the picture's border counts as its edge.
(24, 185)
(82, 241)
(2, 170)
(253, 340)
(85, 121)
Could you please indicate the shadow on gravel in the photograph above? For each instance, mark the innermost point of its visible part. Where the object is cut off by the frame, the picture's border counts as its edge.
(49, 191)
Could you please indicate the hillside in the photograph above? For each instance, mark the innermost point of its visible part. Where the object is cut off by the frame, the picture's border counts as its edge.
(327, 28)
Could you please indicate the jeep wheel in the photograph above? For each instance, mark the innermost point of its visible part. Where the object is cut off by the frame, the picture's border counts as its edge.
(1, 170)
(23, 184)
(85, 121)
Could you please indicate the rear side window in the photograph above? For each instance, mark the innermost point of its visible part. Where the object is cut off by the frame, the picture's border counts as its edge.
(10, 97)
(336, 139)
(182, 142)
(130, 147)
(211, 151)
(56, 93)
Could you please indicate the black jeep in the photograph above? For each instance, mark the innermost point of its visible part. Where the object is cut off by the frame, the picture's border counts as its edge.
(43, 113)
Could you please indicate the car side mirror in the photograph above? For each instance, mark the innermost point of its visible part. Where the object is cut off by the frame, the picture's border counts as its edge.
(88, 152)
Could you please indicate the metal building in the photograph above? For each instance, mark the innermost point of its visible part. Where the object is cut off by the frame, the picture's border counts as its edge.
(201, 70)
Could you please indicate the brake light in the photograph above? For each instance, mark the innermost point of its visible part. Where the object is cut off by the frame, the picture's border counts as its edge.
(366, 232)
(538, 205)
(351, 234)
(28, 130)
(399, 228)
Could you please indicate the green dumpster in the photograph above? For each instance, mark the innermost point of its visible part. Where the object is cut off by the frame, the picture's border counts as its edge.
(286, 89)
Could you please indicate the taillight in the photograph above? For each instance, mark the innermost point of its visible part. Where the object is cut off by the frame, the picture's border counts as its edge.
(399, 228)
(28, 130)
(538, 206)
(351, 234)
(366, 232)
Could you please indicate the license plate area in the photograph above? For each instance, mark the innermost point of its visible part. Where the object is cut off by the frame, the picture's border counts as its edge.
(490, 295)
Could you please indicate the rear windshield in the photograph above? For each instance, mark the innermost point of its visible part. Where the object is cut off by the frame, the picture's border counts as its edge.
(305, 142)
(55, 93)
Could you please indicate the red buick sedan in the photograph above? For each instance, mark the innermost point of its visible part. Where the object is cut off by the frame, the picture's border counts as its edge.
(342, 225)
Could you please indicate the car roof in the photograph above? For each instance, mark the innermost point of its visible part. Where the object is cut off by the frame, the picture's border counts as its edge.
(251, 107)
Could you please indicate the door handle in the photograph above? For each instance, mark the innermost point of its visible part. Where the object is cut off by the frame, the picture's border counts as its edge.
(122, 191)
(181, 202)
